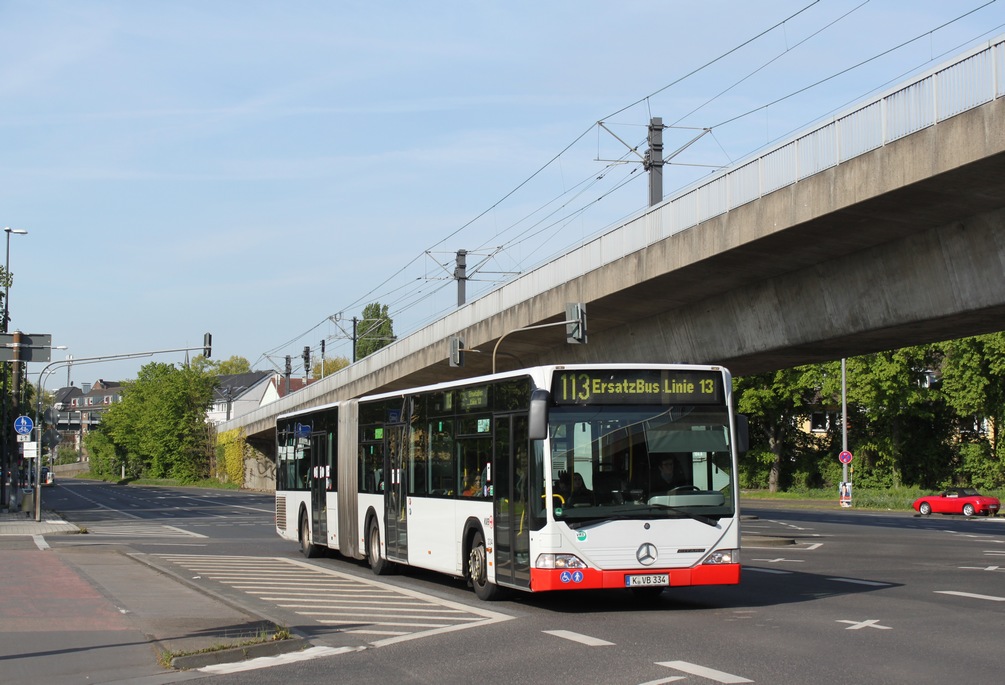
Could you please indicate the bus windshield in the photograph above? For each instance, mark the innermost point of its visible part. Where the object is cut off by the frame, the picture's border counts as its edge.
(610, 462)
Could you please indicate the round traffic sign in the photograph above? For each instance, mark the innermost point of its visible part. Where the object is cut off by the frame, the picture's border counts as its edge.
(845, 457)
(23, 425)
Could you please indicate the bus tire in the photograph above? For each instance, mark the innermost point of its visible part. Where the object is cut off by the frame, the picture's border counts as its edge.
(478, 571)
(379, 565)
(307, 547)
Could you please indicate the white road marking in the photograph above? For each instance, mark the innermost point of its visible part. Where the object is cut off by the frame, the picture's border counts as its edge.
(329, 597)
(582, 639)
(871, 623)
(702, 671)
(140, 530)
(777, 572)
(268, 661)
(778, 559)
(971, 595)
(856, 581)
(790, 525)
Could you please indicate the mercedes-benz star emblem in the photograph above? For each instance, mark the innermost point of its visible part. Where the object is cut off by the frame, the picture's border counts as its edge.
(647, 554)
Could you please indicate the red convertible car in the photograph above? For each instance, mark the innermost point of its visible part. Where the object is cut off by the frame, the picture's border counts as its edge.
(966, 501)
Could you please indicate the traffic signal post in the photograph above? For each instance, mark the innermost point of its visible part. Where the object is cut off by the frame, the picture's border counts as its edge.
(575, 323)
(18, 348)
(205, 348)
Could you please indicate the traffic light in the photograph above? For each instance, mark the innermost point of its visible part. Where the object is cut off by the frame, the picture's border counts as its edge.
(207, 345)
(575, 323)
(456, 351)
(307, 358)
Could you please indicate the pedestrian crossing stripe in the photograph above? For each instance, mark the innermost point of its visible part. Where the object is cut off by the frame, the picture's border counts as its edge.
(386, 614)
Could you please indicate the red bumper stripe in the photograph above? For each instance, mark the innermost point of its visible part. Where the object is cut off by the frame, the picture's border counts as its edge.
(593, 579)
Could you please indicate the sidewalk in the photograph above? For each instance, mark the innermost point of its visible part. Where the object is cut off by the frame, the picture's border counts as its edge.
(114, 611)
(24, 523)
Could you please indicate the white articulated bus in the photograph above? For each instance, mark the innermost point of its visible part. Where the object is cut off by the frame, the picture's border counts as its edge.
(546, 478)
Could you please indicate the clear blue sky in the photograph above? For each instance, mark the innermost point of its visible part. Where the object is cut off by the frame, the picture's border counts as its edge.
(253, 168)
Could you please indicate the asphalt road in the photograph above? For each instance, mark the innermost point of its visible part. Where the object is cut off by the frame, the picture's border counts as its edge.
(857, 597)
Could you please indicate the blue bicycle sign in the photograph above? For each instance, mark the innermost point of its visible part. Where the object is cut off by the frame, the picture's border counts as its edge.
(23, 425)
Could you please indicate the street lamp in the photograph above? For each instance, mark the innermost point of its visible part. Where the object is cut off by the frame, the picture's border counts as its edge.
(6, 292)
(5, 452)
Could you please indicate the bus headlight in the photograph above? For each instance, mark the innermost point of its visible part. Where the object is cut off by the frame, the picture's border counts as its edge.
(723, 556)
(559, 561)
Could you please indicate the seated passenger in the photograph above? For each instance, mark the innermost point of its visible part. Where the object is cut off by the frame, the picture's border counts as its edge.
(580, 493)
(474, 489)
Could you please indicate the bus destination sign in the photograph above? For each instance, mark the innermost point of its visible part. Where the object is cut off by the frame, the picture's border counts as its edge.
(637, 386)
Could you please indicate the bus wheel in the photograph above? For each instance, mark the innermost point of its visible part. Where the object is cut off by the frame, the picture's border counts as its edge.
(378, 564)
(478, 571)
(308, 548)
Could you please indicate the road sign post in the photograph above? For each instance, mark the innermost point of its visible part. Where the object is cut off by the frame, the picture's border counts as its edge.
(844, 489)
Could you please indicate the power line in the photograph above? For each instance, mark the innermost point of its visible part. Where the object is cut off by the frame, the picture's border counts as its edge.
(542, 225)
(855, 66)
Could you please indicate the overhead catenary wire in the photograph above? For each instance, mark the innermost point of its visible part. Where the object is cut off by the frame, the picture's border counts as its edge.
(555, 219)
(854, 66)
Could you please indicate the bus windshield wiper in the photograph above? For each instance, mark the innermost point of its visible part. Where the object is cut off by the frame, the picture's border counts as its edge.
(708, 521)
(576, 524)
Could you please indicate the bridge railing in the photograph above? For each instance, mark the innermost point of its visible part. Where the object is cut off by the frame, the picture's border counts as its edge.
(967, 81)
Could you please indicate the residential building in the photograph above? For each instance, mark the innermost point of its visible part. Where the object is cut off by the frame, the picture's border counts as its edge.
(237, 394)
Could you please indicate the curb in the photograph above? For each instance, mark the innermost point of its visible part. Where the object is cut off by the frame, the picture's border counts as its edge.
(234, 654)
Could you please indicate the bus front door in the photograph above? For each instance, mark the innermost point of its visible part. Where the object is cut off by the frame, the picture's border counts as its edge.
(511, 488)
(396, 493)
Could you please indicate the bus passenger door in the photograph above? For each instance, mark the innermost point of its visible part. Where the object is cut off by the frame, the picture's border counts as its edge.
(321, 464)
(511, 486)
(395, 492)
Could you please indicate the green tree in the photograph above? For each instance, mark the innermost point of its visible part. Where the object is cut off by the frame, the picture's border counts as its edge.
(897, 422)
(775, 403)
(159, 429)
(973, 383)
(225, 367)
(375, 330)
(332, 364)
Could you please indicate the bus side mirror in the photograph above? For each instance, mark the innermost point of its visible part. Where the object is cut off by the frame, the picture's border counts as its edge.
(742, 434)
(537, 428)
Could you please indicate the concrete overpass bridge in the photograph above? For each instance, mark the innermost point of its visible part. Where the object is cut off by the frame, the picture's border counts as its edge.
(880, 228)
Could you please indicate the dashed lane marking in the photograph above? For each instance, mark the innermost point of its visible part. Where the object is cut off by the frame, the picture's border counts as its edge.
(577, 637)
(704, 672)
(856, 581)
(970, 595)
